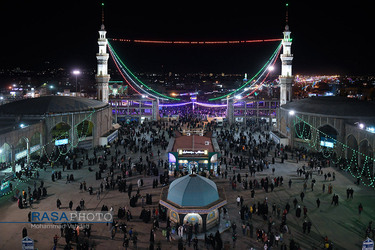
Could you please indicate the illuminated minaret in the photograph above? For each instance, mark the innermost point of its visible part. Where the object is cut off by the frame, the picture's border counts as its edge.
(286, 78)
(102, 76)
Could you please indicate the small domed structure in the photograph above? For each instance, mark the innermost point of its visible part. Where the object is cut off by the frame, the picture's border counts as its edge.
(193, 199)
(184, 190)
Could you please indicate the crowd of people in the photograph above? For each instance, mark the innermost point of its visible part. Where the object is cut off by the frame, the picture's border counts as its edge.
(247, 163)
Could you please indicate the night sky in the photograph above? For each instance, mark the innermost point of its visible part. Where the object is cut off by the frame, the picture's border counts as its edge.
(327, 39)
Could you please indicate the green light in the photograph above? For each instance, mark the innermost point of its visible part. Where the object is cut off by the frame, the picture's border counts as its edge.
(286, 4)
(249, 81)
(131, 73)
(102, 4)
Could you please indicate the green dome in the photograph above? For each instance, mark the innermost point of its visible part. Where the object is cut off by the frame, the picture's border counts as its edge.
(192, 191)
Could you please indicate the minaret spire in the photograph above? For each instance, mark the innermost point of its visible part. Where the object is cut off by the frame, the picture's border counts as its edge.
(286, 78)
(286, 13)
(102, 13)
(102, 77)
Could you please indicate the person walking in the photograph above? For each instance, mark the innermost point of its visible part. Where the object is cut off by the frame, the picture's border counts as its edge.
(58, 203)
(234, 238)
(318, 203)
(55, 239)
(302, 195)
(360, 208)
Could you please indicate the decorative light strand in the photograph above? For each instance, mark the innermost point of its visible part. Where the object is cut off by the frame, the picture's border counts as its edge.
(193, 42)
(249, 81)
(113, 53)
(351, 164)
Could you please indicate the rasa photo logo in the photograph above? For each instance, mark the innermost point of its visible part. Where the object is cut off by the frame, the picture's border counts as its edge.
(70, 217)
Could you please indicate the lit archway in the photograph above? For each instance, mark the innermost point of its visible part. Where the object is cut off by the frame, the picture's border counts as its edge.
(303, 130)
(85, 129)
(60, 131)
(352, 150)
(365, 156)
(5, 153)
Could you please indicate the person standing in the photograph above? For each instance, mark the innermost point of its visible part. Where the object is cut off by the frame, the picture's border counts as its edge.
(318, 203)
(55, 239)
(70, 205)
(309, 224)
(304, 226)
(58, 203)
(24, 232)
(360, 208)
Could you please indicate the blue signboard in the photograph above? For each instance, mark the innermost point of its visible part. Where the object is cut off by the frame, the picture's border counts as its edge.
(368, 244)
(27, 243)
(112, 137)
(61, 142)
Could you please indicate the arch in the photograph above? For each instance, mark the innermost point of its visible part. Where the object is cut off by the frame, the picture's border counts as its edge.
(328, 130)
(21, 148)
(193, 218)
(35, 143)
(352, 150)
(85, 128)
(5, 153)
(60, 131)
(213, 158)
(303, 130)
(366, 154)
(327, 136)
(35, 139)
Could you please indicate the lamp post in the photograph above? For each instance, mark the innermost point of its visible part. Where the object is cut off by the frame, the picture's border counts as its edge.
(76, 73)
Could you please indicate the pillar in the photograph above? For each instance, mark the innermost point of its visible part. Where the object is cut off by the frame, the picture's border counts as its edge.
(13, 158)
(230, 111)
(204, 222)
(28, 151)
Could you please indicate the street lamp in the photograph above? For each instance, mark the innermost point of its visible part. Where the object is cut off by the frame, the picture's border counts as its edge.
(76, 73)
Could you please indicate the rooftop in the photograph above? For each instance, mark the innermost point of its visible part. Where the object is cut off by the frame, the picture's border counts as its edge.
(332, 106)
(195, 142)
(50, 105)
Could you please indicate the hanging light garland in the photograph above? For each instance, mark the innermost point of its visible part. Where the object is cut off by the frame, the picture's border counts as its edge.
(350, 165)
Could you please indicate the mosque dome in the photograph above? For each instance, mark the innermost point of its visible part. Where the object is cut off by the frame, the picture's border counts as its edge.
(50, 105)
(193, 191)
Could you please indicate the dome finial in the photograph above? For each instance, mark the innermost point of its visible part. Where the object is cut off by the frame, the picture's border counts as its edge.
(102, 26)
(286, 17)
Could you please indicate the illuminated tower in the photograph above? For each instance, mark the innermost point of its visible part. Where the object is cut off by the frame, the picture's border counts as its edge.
(286, 78)
(102, 76)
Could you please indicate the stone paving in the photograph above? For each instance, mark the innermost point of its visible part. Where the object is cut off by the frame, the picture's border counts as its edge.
(342, 224)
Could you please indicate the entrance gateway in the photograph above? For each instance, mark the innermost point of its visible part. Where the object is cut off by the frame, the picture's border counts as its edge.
(193, 152)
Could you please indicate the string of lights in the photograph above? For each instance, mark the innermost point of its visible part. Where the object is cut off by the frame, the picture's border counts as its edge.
(119, 70)
(303, 130)
(70, 145)
(273, 56)
(127, 78)
(193, 42)
(128, 72)
(261, 84)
